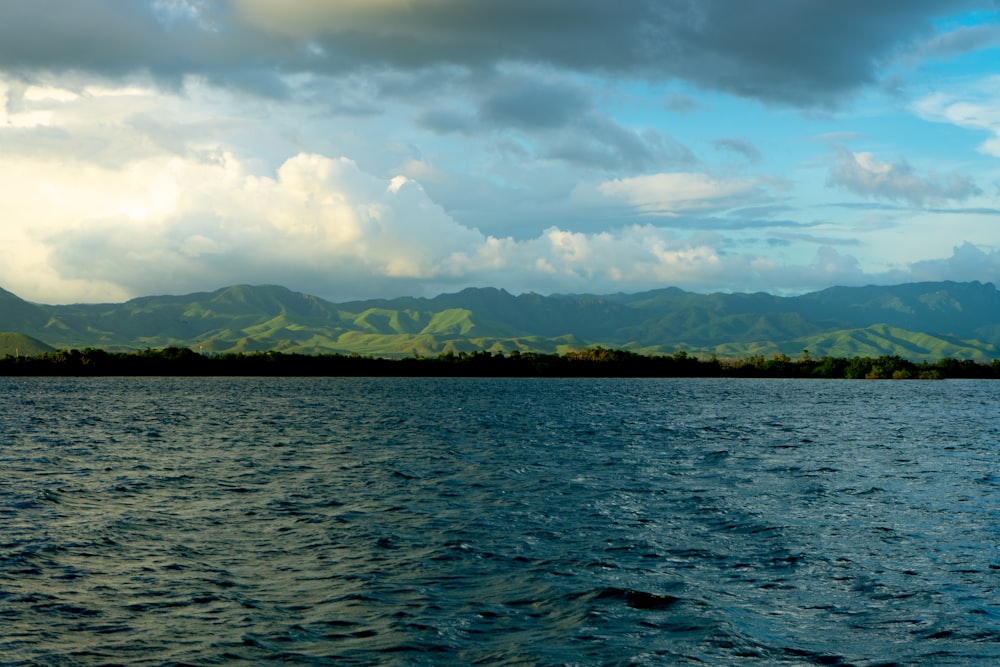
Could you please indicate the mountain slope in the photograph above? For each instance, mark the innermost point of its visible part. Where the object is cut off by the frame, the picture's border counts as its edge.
(19, 345)
(916, 321)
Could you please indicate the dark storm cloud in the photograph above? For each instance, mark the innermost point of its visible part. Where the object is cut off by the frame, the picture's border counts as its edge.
(535, 104)
(804, 52)
(801, 52)
(794, 51)
(118, 37)
(106, 35)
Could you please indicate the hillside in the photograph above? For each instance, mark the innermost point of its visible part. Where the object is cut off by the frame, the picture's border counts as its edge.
(19, 345)
(919, 321)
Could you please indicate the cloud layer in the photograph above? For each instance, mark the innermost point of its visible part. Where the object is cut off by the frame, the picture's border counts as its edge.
(384, 147)
(784, 51)
(322, 224)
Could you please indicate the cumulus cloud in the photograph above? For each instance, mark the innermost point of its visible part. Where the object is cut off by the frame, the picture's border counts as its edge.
(318, 224)
(967, 262)
(168, 210)
(864, 175)
(318, 220)
(805, 53)
(323, 225)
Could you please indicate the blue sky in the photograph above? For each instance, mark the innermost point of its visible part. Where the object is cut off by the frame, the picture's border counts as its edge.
(380, 148)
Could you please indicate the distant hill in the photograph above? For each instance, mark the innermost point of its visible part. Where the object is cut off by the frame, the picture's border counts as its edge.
(918, 321)
(19, 345)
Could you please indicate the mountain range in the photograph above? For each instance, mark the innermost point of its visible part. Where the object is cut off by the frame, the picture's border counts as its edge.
(917, 321)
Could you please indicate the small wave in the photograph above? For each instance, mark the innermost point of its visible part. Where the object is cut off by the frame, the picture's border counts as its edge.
(639, 599)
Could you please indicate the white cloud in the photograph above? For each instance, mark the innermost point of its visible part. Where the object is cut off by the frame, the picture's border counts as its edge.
(322, 221)
(318, 220)
(669, 194)
(976, 107)
(864, 175)
(38, 93)
(324, 226)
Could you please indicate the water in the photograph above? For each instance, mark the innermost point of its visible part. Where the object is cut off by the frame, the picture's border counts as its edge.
(150, 521)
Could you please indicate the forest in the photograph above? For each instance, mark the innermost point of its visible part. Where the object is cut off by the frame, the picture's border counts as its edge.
(584, 362)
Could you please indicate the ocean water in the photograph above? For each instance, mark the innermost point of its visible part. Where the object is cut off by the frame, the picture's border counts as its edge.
(354, 521)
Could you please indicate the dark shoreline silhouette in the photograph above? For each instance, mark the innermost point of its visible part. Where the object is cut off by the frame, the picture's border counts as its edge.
(590, 362)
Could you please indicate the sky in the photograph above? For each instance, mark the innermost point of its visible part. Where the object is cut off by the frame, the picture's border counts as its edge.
(380, 148)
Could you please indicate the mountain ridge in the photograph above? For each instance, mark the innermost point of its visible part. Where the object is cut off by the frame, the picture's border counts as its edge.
(918, 321)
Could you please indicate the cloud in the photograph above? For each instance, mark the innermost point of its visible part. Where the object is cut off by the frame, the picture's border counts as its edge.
(545, 115)
(862, 174)
(323, 225)
(598, 141)
(801, 53)
(808, 53)
(973, 107)
(680, 103)
(958, 41)
(639, 257)
(187, 215)
(318, 221)
(739, 146)
(192, 220)
(446, 121)
(319, 224)
(968, 262)
(182, 145)
(116, 38)
(669, 194)
(535, 104)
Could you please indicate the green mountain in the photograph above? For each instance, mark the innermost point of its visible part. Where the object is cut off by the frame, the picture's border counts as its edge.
(919, 321)
(19, 345)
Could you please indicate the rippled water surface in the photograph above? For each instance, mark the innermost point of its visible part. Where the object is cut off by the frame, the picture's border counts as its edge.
(498, 521)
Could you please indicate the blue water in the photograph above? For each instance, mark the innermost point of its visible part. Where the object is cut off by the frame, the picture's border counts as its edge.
(345, 521)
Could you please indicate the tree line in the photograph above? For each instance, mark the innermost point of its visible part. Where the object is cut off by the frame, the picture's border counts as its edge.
(588, 362)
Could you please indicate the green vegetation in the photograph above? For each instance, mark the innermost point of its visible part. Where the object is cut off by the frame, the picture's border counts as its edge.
(15, 344)
(918, 321)
(584, 362)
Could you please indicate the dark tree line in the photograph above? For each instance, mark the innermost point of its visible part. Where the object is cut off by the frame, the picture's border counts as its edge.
(589, 362)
